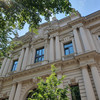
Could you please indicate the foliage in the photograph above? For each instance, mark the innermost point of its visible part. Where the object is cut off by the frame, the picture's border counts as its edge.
(49, 89)
(15, 13)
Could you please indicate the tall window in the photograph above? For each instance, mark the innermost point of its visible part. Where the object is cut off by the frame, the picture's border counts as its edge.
(75, 93)
(39, 55)
(14, 67)
(68, 48)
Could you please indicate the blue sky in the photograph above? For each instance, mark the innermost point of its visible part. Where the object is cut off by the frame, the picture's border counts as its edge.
(85, 7)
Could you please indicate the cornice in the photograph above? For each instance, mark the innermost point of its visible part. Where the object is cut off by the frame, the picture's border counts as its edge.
(76, 21)
(87, 55)
(92, 16)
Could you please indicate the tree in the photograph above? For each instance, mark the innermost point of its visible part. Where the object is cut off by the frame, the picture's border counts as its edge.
(15, 13)
(49, 89)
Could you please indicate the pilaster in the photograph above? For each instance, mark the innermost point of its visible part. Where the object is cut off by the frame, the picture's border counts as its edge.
(96, 78)
(77, 41)
(25, 58)
(3, 65)
(84, 39)
(58, 49)
(88, 84)
(7, 65)
(20, 60)
(12, 93)
(52, 49)
(18, 91)
(46, 51)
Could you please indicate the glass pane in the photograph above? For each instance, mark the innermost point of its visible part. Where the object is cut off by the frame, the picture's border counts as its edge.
(71, 50)
(42, 51)
(42, 58)
(14, 65)
(36, 60)
(67, 45)
(39, 58)
(67, 52)
(37, 52)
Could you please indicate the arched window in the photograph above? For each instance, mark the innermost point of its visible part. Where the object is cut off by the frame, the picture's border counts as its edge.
(30, 94)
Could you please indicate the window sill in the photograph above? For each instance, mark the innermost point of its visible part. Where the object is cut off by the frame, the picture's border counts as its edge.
(37, 64)
(68, 57)
(11, 72)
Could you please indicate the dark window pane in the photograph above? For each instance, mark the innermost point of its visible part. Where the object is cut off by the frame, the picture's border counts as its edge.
(39, 58)
(66, 52)
(71, 50)
(68, 48)
(75, 93)
(39, 55)
(14, 67)
(40, 52)
(42, 58)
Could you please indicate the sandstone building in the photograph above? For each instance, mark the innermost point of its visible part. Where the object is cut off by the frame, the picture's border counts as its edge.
(72, 43)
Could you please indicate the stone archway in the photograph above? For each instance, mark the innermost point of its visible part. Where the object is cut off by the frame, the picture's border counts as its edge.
(25, 90)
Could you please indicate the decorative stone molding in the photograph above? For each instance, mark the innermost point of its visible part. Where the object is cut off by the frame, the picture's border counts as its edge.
(67, 38)
(96, 30)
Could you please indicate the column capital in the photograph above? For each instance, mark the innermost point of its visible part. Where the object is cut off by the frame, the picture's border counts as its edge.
(14, 83)
(83, 66)
(77, 26)
(25, 46)
(94, 64)
(51, 37)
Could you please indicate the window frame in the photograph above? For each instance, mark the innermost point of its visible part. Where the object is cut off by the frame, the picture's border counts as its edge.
(39, 56)
(14, 68)
(68, 48)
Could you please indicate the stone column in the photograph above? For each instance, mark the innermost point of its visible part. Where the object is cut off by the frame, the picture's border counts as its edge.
(46, 52)
(77, 41)
(33, 55)
(12, 93)
(88, 86)
(6, 66)
(84, 39)
(18, 91)
(96, 78)
(91, 40)
(58, 49)
(3, 65)
(62, 49)
(59, 76)
(25, 58)
(10, 66)
(51, 49)
(20, 60)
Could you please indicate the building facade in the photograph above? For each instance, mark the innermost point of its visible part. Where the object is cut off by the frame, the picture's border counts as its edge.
(72, 44)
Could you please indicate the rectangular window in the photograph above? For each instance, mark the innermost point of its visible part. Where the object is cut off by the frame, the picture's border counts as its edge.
(14, 67)
(75, 93)
(39, 55)
(68, 48)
